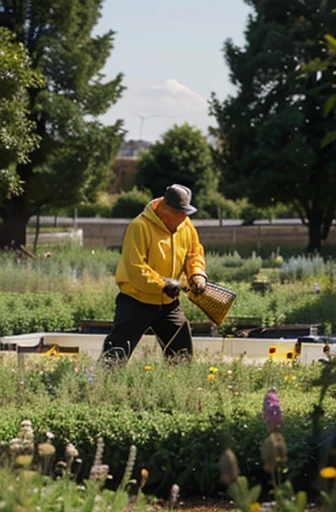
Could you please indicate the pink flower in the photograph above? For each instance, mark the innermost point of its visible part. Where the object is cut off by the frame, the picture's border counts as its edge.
(271, 410)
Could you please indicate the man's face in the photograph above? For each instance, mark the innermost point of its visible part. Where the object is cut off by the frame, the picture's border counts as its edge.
(178, 216)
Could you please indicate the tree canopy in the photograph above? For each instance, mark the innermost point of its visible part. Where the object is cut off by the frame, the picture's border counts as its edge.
(17, 138)
(75, 149)
(270, 133)
(182, 156)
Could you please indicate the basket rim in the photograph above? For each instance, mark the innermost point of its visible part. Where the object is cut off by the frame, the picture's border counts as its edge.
(220, 287)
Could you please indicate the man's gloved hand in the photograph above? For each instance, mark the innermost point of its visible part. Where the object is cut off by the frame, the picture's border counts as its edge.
(197, 284)
(172, 287)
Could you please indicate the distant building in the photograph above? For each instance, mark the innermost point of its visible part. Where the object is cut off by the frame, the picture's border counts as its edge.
(133, 148)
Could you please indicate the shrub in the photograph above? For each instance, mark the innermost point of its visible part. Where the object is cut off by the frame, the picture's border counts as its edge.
(130, 204)
(215, 206)
(25, 313)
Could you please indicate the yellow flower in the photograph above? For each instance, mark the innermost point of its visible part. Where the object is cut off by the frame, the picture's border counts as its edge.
(328, 472)
(148, 368)
(144, 477)
(254, 507)
(213, 369)
(211, 377)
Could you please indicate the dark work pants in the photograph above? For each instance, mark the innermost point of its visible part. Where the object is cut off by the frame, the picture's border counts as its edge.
(132, 318)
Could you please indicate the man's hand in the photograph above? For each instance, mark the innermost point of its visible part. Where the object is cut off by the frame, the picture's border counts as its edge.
(172, 287)
(197, 284)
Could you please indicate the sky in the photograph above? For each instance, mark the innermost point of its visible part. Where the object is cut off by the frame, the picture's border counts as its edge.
(170, 53)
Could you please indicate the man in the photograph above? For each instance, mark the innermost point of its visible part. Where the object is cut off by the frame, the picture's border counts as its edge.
(160, 248)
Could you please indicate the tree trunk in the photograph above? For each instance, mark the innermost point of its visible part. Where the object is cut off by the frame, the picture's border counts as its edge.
(14, 222)
(314, 229)
(327, 222)
(37, 230)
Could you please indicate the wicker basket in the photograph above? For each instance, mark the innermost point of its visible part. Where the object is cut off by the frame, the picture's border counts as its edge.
(215, 302)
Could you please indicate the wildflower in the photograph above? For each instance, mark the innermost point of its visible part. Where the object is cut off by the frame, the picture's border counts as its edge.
(254, 507)
(211, 377)
(144, 477)
(228, 466)
(99, 473)
(229, 373)
(46, 449)
(24, 460)
(132, 454)
(148, 368)
(173, 496)
(328, 472)
(71, 451)
(213, 369)
(271, 410)
(98, 460)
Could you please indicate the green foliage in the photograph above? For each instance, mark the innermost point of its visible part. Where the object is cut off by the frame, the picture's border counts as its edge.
(319, 65)
(80, 285)
(182, 156)
(225, 269)
(29, 312)
(242, 496)
(76, 149)
(269, 133)
(130, 204)
(215, 206)
(179, 420)
(17, 137)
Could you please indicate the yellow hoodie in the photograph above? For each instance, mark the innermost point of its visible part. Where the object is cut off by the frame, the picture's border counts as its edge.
(151, 252)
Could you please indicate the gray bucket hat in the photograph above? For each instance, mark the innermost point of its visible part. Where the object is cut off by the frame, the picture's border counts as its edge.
(179, 197)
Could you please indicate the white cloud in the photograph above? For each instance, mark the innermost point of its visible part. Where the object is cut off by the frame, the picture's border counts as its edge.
(172, 94)
(160, 106)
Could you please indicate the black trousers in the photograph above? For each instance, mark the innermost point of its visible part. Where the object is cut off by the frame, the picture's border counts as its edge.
(132, 318)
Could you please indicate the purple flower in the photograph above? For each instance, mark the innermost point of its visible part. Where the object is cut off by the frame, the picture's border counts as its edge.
(271, 410)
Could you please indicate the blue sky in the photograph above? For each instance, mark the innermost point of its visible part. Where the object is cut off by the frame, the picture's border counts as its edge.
(170, 53)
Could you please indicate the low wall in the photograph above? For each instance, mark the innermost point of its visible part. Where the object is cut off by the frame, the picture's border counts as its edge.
(220, 349)
(108, 234)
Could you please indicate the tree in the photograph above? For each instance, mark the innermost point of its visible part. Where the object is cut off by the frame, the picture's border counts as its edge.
(270, 132)
(182, 156)
(75, 150)
(17, 139)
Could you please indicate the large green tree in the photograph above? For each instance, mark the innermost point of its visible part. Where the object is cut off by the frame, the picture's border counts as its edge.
(75, 149)
(270, 132)
(17, 138)
(183, 156)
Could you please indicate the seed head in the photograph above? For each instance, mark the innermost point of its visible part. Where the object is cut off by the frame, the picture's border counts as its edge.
(228, 466)
(274, 452)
